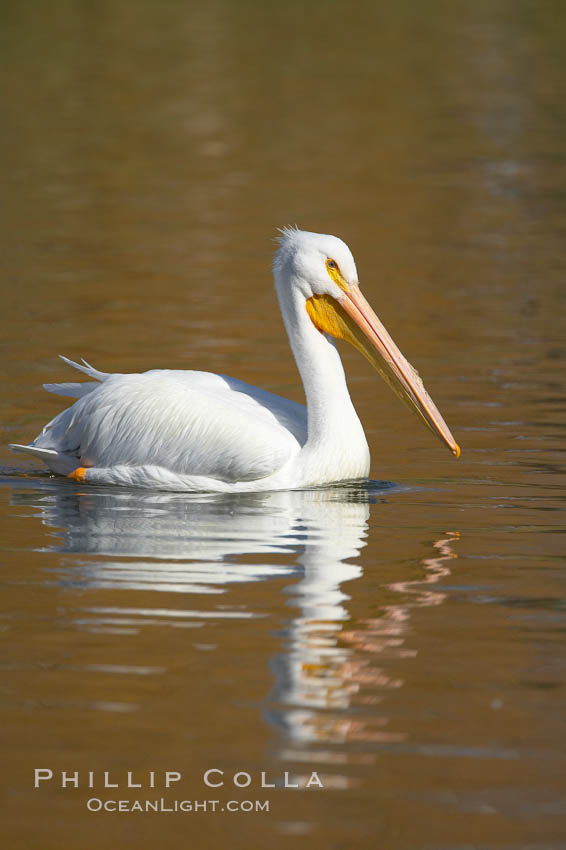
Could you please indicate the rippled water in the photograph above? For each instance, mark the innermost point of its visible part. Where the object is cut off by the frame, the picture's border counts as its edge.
(404, 638)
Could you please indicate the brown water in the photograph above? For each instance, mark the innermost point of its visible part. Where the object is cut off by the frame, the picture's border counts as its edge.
(406, 641)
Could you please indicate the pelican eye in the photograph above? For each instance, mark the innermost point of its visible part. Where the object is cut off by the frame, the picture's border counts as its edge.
(335, 274)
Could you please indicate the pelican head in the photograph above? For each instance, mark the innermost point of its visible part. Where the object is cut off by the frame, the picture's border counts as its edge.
(322, 269)
(316, 263)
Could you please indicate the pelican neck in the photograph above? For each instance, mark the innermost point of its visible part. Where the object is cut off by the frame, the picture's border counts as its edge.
(330, 412)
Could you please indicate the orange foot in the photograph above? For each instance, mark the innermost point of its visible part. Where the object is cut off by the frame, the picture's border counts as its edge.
(78, 474)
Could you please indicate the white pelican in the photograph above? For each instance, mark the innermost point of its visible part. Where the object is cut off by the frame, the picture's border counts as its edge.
(196, 431)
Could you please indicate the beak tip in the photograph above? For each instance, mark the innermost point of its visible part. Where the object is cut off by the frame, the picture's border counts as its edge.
(456, 450)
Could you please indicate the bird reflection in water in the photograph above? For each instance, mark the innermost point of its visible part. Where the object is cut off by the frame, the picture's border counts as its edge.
(190, 542)
(328, 680)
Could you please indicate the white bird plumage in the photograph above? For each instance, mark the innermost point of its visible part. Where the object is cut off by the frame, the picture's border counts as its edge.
(197, 431)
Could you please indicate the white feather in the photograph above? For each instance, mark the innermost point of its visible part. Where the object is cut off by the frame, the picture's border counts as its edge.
(86, 368)
(71, 390)
(58, 462)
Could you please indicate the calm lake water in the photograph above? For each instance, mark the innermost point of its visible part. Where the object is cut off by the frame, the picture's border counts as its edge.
(404, 638)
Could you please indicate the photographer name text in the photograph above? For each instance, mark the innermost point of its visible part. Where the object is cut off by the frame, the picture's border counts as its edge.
(214, 777)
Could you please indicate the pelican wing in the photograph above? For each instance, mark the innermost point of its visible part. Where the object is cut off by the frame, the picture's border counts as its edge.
(194, 423)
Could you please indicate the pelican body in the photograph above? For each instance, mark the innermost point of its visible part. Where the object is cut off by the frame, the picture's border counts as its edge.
(197, 431)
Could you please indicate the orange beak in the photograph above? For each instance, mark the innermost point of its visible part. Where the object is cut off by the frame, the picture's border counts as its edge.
(351, 318)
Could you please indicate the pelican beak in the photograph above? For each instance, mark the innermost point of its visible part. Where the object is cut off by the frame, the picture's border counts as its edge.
(352, 318)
